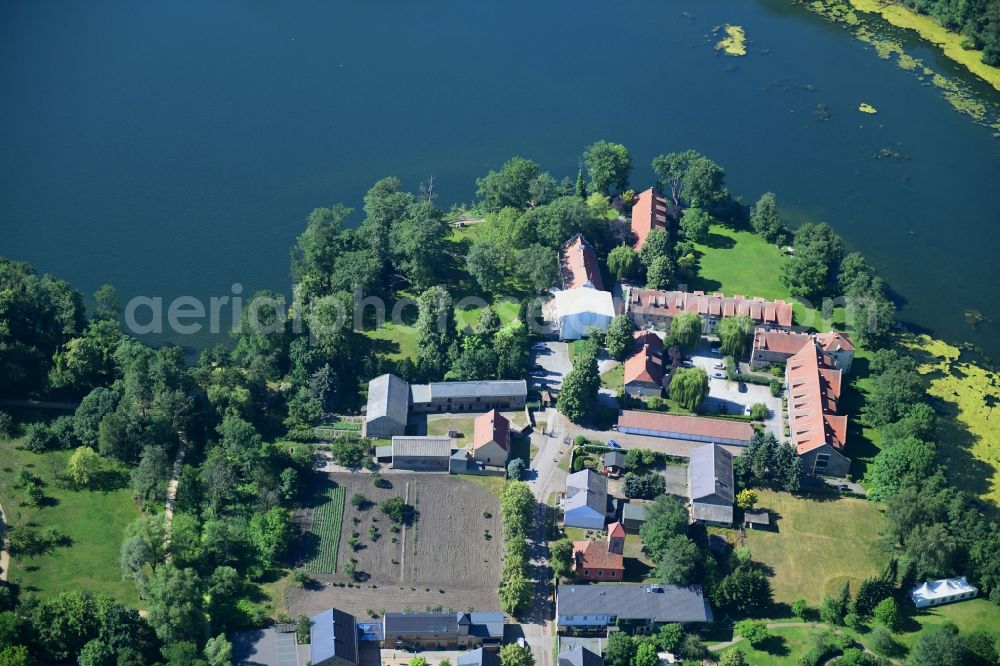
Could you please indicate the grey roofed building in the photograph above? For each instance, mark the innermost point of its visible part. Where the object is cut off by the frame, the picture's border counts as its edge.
(388, 405)
(633, 516)
(614, 459)
(580, 656)
(710, 484)
(488, 624)
(478, 657)
(423, 623)
(420, 393)
(333, 638)
(712, 513)
(587, 488)
(480, 389)
(651, 603)
(420, 446)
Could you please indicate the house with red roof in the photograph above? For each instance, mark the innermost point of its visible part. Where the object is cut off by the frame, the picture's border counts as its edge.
(818, 432)
(491, 439)
(601, 560)
(649, 212)
(580, 268)
(651, 308)
(838, 348)
(643, 370)
(772, 345)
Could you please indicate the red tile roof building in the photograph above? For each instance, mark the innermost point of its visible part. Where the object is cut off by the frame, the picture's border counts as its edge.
(691, 428)
(649, 212)
(643, 370)
(775, 346)
(818, 433)
(838, 348)
(652, 308)
(579, 264)
(601, 560)
(491, 438)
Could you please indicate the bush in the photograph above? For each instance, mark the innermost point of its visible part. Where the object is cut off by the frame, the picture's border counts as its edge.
(758, 411)
(775, 388)
(515, 470)
(7, 428)
(755, 631)
(646, 486)
(359, 501)
(395, 508)
(38, 438)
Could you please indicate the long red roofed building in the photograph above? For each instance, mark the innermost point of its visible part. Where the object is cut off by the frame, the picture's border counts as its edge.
(819, 433)
(649, 212)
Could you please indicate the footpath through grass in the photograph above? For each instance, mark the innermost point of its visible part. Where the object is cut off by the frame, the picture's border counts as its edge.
(819, 545)
(327, 526)
(93, 521)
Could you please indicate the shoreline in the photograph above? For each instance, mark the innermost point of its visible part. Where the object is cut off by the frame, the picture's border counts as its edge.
(930, 30)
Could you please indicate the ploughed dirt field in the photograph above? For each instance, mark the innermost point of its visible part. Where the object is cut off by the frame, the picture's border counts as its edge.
(452, 553)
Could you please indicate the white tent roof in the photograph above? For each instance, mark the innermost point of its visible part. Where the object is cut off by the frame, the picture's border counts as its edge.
(941, 589)
(577, 301)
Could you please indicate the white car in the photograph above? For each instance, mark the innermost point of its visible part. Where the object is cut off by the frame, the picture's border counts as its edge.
(719, 366)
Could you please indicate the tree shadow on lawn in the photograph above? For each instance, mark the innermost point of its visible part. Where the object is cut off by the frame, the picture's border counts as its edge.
(720, 242)
(774, 645)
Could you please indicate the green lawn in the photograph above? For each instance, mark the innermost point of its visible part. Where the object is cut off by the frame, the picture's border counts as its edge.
(464, 425)
(614, 378)
(401, 340)
(966, 615)
(506, 310)
(785, 646)
(92, 519)
(739, 262)
(819, 545)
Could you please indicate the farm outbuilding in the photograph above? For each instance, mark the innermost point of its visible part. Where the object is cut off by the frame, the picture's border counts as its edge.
(710, 483)
(333, 638)
(421, 454)
(633, 517)
(388, 405)
(690, 428)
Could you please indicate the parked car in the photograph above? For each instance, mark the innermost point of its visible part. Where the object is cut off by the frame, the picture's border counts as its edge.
(538, 345)
(718, 375)
(687, 364)
(537, 373)
(716, 350)
(719, 366)
(742, 387)
(612, 444)
(537, 367)
(843, 486)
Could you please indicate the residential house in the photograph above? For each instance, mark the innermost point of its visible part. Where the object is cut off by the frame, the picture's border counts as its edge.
(633, 516)
(691, 428)
(601, 560)
(639, 607)
(937, 592)
(643, 371)
(579, 264)
(479, 657)
(578, 311)
(818, 433)
(444, 630)
(614, 464)
(586, 501)
(710, 485)
(650, 308)
(491, 438)
(474, 396)
(422, 454)
(333, 638)
(388, 405)
(648, 212)
(838, 348)
(772, 345)
(579, 656)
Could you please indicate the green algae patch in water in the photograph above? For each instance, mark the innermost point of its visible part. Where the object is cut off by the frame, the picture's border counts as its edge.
(865, 107)
(735, 42)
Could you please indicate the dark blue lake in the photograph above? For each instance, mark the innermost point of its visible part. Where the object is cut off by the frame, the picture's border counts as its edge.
(175, 148)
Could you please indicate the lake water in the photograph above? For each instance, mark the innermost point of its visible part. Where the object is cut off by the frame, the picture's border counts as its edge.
(175, 148)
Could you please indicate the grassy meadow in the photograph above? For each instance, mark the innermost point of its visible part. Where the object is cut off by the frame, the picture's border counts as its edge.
(819, 545)
(93, 521)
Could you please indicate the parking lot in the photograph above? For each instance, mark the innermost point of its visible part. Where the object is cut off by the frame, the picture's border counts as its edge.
(735, 397)
(553, 357)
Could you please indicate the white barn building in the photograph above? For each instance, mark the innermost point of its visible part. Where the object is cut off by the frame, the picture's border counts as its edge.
(937, 592)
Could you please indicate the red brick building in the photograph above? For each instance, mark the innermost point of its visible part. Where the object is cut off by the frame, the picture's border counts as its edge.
(601, 560)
